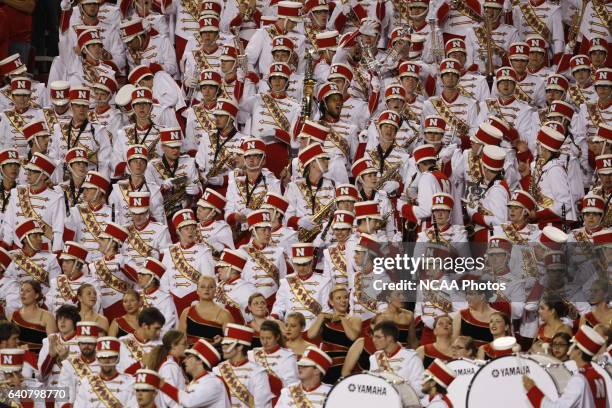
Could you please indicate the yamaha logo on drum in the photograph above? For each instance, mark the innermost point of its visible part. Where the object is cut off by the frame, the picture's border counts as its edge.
(367, 389)
(510, 371)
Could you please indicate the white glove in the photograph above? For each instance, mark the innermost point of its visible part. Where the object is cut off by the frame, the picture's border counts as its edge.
(167, 184)
(390, 186)
(189, 82)
(531, 306)
(240, 74)
(217, 246)
(375, 83)
(369, 27)
(215, 181)
(345, 8)
(306, 222)
(66, 5)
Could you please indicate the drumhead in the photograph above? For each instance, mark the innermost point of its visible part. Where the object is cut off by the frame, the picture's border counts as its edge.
(503, 376)
(465, 370)
(367, 390)
(559, 371)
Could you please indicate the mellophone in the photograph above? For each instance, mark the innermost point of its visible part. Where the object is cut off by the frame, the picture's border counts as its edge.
(476, 384)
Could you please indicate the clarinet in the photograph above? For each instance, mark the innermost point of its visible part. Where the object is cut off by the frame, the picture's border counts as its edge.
(564, 217)
(436, 229)
(113, 213)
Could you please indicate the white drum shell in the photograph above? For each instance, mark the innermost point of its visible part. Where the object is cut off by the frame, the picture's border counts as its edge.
(465, 370)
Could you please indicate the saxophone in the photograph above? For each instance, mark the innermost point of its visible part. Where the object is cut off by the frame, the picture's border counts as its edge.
(389, 175)
(305, 235)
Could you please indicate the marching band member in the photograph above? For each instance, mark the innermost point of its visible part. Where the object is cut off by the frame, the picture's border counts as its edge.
(548, 22)
(212, 228)
(165, 359)
(246, 380)
(146, 384)
(233, 291)
(105, 114)
(11, 67)
(153, 296)
(128, 322)
(77, 164)
(529, 88)
(438, 377)
(258, 307)
(601, 310)
(36, 201)
(13, 360)
(185, 262)
(518, 231)
(281, 235)
(135, 346)
(312, 367)
(474, 320)
(392, 357)
(10, 167)
(440, 349)
(206, 390)
(583, 90)
(200, 119)
(108, 386)
(499, 326)
(294, 327)
(86, 220)
(337, 255)
(59, 111)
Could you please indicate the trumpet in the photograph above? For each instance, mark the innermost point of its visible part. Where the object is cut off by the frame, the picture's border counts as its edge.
(436, 40)
(368, 56)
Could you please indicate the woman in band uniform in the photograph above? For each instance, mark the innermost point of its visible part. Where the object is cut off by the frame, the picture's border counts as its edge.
(499, 326)
(474, 320)
(166, 360)
(205, 319)
(441, 348)
(337, 331)
(126, 324)
(551, 310)
(464, 347)
(87, 302)
(35, 323)
(258, 306)
(403, 319)
(295, 323)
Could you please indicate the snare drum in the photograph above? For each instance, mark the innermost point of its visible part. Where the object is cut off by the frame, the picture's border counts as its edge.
(372, 390)
(465, 370)
(503, 377)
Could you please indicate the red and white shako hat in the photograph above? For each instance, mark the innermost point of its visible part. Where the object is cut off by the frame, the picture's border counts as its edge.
(454, 45)
(440, 373)
(93, 179)
(115, 232)
(228, 53)
(314, 130)
(212, 199)
(26, 227)
(389, 117)
(210, 77)
(259, 219)
(130, 29)
(146, 380)
(76, 155)
(209, 22)
(557, 82)
(555, 260)
(395, 91)
(139, 201)
(347, 192)
(588, 340)
(450, 65)
(9, 156)
(315, 357)
(604, 133)
(598, 44)
(107, 346)
(142, 95)
(487, 134)
(554, 125)
(11, 360)
(521, 198)
(550, 139)
(369, 242)
(603, 237)
(280, 69)
(253, 145)
(494, 3)
(58, 91)
(79, 95)
(5, 259)
(363, 166)
(87, 332)
(74, 251)
(506, 74)
(519, 51)
(316, 5)
(206, 352)
(603, 77)
(343, 219)
(211, 7)
(35, 128)
(87, 37)
(499, 244)
(227, 107)
(232, 258)
(537, 43)
(580, 61)
(137, 152)
(409, 69)
(310, 153)
(342, 71)
(12, 65)
(289, 10)
(42, 163)
(268, 20)
(493, 157)
(603, 164)
(442, 201)
(328, 89)
(106, 83)
(553, 238)
(183, 218)
(302, 253)
(276, 202)
(152, 267)
(327, 40)
(237, 334)
(282, 43)
(434, 124)
(424, 152)
(592, 203)
(21, 86)
(367, 209)
(561, 108)
(123, 99)
(171, 137)
(139, 73)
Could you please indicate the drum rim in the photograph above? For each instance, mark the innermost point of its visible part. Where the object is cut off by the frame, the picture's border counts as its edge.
(467, 395)
(353, 375)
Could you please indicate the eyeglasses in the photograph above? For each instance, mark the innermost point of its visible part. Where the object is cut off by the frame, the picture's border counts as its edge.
(559, 345)
(458, 348)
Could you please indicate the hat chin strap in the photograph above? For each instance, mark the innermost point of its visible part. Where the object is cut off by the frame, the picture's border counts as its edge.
(29, 241)
(97, 60)
(255, 235)
(254, 167)
(317, 160)
(423, 14)
(38, 178)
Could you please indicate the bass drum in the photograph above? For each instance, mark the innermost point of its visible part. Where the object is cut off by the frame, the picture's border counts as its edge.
(465, 370)
(372, 390)
(501, 380)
